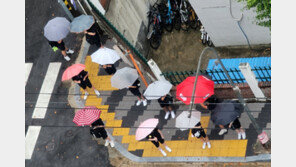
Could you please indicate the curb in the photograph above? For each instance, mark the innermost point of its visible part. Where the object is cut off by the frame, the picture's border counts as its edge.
(80, 104)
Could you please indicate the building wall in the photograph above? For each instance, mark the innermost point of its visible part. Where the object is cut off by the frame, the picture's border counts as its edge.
(223, 29)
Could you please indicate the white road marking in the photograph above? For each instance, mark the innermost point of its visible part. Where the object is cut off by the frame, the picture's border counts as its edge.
(30, 140)
(46, 90)
(28, 67)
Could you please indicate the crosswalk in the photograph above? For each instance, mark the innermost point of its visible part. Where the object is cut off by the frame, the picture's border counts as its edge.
(41, 104)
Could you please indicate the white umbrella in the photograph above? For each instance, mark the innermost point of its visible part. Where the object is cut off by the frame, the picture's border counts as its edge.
(157, 89)
(184, 123)
(57, 29)
(105, 56)
(124, 77)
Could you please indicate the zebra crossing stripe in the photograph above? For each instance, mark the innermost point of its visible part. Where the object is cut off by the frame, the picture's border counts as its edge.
(46, 90)
(28, 68)
(30, 140)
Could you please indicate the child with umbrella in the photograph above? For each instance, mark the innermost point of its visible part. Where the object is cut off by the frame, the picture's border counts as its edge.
(97, 129)
(199, 132)
(166, 103)
(134, 88)
(156, 137)
(82, 80)
(61, 46)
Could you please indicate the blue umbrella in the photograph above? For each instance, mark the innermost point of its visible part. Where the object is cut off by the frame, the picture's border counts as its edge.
(225, 112)
(81, 23)
(57, 29)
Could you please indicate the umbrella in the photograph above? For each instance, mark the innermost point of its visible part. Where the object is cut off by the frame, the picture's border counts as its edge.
(57, 29)
(146, 128)
(204, 89)
(157, 89)
(105, 56)
(86, 116)
(81, 23)
(73, 70)
(124, 77)
(183, 122)
(225, 112)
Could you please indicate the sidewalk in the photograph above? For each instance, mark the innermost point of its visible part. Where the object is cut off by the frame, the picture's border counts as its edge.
(120, 112)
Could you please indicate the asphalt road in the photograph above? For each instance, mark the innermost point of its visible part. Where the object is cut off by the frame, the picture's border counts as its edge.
(59, 142)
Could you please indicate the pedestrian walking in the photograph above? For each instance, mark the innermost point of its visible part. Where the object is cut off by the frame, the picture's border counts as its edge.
(234, 125)
(82, 80)
(166, 103)
(92, 36)
(109, 68)
(156, 137)
(97, 129)
(61, 46)
(135, 91)
(199, 132)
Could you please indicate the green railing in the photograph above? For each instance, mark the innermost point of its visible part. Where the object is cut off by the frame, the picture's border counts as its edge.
(132, 48)
(219, 77)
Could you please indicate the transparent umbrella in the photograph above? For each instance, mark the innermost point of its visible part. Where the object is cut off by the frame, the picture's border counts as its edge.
(157, 89)
(124, 77)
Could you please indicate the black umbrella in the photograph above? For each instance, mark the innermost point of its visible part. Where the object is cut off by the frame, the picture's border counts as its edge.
(225, 112)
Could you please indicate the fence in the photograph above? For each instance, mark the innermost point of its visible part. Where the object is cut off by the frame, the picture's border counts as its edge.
(263, 74)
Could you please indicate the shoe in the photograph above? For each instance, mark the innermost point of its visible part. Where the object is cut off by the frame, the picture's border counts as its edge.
(97, 93)
(163, 153)
(69, 51)
(167, 115)
(107, 143)
(204, 145)
(244, 135)
(138, 103)
(145, 102)
(85, 95)
(173, 114)
(112, 143)
(168, 148)
(67, 58)
(209, 144)
(222, 131)
(239, 136)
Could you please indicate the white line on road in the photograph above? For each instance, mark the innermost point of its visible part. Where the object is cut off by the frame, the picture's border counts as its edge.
(46, 90)
(30, 140)
(28, 67)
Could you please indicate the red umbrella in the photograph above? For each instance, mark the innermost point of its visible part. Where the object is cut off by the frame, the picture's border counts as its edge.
(73, 70)
(86, 116)
(204, 89)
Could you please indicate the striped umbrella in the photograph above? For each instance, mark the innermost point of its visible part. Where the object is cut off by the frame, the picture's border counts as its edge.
(86, 116)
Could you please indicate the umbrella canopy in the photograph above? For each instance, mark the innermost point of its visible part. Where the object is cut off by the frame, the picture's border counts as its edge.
(73, 70)
(81, 23)
(184, 123)
(124, 77)
(105, 56)
(225, 112)
(204, 89)
(57, 29)
(157, 89)
(146, 128)
(86, 116)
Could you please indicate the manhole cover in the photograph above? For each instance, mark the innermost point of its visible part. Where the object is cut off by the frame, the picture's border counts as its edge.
(69, 133)
(49, 146)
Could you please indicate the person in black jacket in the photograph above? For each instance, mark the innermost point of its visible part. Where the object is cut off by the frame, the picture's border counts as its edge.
(92, 36)
(166, 102)
(156, 137)
(82, 80)
(61, 46)
(109, 68)
(135, 91)
(97, 129)
(199, 132)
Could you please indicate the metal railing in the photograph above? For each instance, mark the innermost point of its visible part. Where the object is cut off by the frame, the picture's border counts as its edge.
(218, 75)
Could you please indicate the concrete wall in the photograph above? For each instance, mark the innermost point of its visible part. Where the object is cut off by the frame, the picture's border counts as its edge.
(130, 18)
(223, 29)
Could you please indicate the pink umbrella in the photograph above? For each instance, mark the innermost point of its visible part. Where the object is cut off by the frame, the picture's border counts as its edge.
(86, 116)
(73, 70)
(146, 128)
